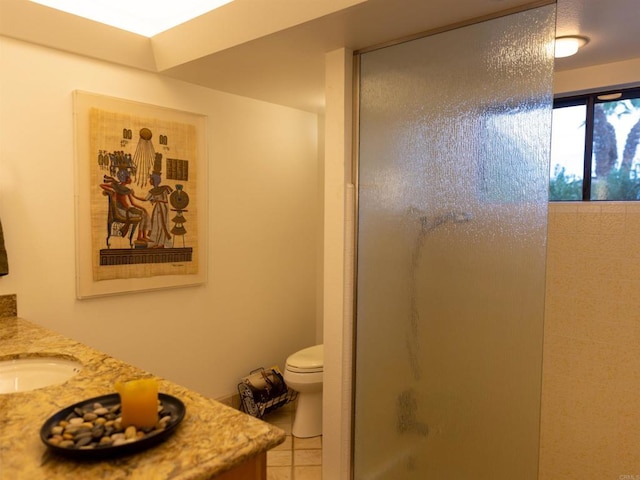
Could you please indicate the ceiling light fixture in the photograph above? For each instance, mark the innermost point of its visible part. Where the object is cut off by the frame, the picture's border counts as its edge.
(569, 45)
(610, 96)
(144, 17)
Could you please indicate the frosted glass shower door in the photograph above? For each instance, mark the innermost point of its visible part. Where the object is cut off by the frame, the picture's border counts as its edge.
(454, 133)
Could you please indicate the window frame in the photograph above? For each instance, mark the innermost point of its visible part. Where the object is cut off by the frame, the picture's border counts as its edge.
(590, 100)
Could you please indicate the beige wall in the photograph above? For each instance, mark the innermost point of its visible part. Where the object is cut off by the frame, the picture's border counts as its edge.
(590, 422)
(259, 304)
(590, 425)
(609, 75)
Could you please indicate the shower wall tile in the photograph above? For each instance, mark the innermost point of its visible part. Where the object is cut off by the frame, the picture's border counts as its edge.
(590, 422)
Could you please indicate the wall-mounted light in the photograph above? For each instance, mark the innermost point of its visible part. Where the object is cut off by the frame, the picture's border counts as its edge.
(569, 45)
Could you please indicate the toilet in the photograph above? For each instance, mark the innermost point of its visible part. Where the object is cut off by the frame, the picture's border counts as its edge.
(303, 373)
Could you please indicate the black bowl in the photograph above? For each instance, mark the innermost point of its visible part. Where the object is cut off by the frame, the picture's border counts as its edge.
(170, 404)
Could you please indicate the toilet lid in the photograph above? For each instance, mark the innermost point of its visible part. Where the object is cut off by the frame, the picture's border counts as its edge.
(307, 360)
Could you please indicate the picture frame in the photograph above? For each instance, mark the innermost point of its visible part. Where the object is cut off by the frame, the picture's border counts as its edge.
(140, 196)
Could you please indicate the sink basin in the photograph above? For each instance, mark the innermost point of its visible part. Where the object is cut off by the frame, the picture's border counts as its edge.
(29, 373)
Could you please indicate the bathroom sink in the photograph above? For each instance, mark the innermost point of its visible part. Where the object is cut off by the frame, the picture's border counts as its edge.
(29, 373)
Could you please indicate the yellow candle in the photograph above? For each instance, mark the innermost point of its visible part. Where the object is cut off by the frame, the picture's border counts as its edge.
(139, 402)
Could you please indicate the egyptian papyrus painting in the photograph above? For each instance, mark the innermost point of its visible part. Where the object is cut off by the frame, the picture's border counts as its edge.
(143, 191)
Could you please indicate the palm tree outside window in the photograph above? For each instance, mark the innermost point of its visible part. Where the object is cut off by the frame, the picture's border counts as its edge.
(594, 147)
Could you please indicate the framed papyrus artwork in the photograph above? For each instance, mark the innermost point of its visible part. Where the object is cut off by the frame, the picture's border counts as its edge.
(141, 196)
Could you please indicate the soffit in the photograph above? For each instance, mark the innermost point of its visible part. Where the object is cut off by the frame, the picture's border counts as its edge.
(273, 50)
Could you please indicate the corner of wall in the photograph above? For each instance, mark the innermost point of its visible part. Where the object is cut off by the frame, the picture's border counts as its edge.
(337, 401)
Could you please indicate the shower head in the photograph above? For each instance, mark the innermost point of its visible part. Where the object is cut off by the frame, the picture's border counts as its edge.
(459, 217)
(453, 216)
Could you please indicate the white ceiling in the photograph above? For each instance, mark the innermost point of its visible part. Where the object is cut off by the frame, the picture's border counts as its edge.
(274, 50)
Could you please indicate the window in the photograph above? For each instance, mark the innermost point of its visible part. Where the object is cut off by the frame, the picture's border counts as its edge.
(594, 147)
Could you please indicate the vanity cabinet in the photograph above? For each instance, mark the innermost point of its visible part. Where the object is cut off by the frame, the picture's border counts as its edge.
(213, 441)
(253, 469)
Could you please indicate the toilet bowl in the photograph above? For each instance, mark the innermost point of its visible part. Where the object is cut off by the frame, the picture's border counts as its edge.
(303, 373)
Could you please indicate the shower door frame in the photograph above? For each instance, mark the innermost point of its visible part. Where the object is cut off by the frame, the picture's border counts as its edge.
(353, 235)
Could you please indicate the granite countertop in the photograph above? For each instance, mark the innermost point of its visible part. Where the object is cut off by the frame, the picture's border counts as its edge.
(212, 438)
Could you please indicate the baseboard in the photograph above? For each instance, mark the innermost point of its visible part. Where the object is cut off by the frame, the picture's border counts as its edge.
(232, 401)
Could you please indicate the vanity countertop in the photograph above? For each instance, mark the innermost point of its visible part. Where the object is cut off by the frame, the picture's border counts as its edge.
(213, 438)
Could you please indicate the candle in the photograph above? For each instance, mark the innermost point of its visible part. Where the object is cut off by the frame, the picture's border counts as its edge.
(139, 402)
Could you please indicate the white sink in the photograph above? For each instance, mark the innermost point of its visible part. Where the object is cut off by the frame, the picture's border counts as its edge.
(28, 373)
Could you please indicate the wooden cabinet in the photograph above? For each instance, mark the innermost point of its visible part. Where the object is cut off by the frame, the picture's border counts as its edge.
(252, 469)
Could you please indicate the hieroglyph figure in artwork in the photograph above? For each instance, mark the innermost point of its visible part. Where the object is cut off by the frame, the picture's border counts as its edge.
(123, 201)
(159, 197)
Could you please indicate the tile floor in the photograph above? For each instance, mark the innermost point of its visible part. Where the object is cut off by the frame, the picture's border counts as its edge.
(296, 458)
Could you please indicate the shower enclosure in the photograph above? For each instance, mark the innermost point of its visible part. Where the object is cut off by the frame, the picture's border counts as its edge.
(454, 135)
